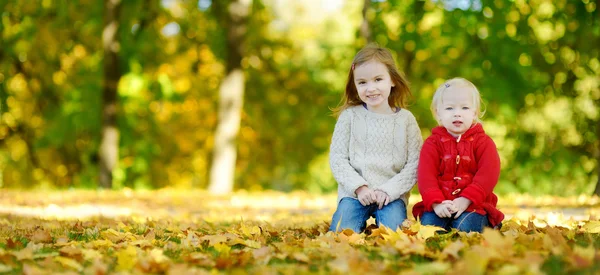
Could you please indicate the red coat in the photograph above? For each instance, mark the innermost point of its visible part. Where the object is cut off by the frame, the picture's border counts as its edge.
(467, 167)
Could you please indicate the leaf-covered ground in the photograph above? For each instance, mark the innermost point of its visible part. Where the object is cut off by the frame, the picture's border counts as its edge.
(188, 232)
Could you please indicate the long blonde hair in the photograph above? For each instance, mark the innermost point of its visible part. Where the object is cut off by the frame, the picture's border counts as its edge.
(399, 94)
(458, 82)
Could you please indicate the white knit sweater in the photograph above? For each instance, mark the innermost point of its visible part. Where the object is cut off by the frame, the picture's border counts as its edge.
(377, 150)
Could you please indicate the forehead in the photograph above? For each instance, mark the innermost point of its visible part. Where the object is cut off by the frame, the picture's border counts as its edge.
(370, 69)
(457, 94)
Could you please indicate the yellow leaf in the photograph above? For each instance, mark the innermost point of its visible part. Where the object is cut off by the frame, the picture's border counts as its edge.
(427, 231)
(5, 268)
(100, 243)
(252, 244)
(475, 260)
(24, 254)
(493, 237)
(249, 231)
(191, 240)
(66, 262)
(452, 250)
(222, 248)
(214, 239)
(432, 268)
(301, 257)
(112, 235)
(141, 243)
(91, 254)
(158, 256)
(592, 227)
(126, 258)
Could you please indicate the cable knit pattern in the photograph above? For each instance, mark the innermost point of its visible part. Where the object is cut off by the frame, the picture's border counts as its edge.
(377, 150)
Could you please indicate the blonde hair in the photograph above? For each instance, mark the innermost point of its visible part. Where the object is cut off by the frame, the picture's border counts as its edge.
(399, 94)
(458, 82)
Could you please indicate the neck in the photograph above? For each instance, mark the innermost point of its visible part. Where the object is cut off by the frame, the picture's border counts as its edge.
(386, 110)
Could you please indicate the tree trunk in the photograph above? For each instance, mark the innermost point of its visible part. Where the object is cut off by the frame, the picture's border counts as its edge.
(597, 190)
(231, 96)
(365, 29)
(109, 145)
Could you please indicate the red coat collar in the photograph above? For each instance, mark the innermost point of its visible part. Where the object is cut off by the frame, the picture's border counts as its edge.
(443, 135)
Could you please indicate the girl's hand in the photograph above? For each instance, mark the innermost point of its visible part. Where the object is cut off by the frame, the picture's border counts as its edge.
(444, 209)
(382, 198)
(461, 204)
(365, 195)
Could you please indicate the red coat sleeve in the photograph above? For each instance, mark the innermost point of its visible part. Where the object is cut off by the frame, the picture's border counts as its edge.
(427, 174)
(488, 171)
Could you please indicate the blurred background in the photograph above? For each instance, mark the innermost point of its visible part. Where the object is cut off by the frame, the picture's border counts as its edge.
(236, 94)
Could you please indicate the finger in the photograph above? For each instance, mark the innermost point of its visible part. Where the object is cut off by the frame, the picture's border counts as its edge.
(373, 197)
(362, 201)
(447, 213)
(451, 210)
(387, 200)
(380, 203)
(458, 214)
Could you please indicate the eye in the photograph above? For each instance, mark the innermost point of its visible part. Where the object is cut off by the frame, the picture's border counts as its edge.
(465, 108)
(378, 79)
(448, 109)
(361, 82)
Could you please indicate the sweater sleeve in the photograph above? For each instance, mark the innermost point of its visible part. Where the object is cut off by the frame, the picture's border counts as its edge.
(429, 169)
(339, 158)
(402, 182)
(488, 172)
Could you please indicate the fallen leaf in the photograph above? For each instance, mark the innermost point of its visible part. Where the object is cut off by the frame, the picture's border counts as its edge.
(592, 227)
(5, 268)
(426, 231)
(301, 257)
(70, 263)
(452, 249)
(41, 236)
(126, 258)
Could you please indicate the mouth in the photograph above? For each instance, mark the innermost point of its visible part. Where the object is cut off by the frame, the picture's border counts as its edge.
(372, 96)
(457, 123)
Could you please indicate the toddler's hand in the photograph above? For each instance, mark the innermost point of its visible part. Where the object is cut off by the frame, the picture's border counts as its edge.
(365, 195)
(382, 198)
(444, 209)
(461, 204)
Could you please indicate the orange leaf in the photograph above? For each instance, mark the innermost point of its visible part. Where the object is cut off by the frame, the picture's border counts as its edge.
(41, 236)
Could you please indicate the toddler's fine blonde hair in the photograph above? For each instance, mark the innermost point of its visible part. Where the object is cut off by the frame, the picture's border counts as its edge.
(458, 83)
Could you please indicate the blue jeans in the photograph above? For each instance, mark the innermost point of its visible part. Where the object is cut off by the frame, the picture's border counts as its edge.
(467, 222)
(353, 215)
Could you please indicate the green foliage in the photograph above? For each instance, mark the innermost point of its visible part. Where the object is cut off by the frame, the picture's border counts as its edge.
(536, 64)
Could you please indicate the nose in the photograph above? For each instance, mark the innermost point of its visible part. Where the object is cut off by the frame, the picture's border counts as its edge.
(370, 87)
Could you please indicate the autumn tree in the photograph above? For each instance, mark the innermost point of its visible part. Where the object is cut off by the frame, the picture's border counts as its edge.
(233, 15)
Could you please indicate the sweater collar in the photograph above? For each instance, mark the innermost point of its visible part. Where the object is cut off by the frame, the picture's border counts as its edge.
(444, 135)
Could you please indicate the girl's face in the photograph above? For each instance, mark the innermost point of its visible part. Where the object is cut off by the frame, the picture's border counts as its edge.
(374, 84)
(455, 111)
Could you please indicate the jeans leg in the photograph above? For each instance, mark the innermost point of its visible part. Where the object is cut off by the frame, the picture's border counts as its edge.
(391, 215)
(349, 214)
(430, 218)
(470, 221)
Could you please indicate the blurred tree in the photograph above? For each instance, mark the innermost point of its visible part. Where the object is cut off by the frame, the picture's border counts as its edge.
(365, 29)
(109, 143)
(233, 16)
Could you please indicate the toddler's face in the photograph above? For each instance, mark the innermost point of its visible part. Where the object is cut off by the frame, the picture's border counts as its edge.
(456, 111)
(373, 83)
